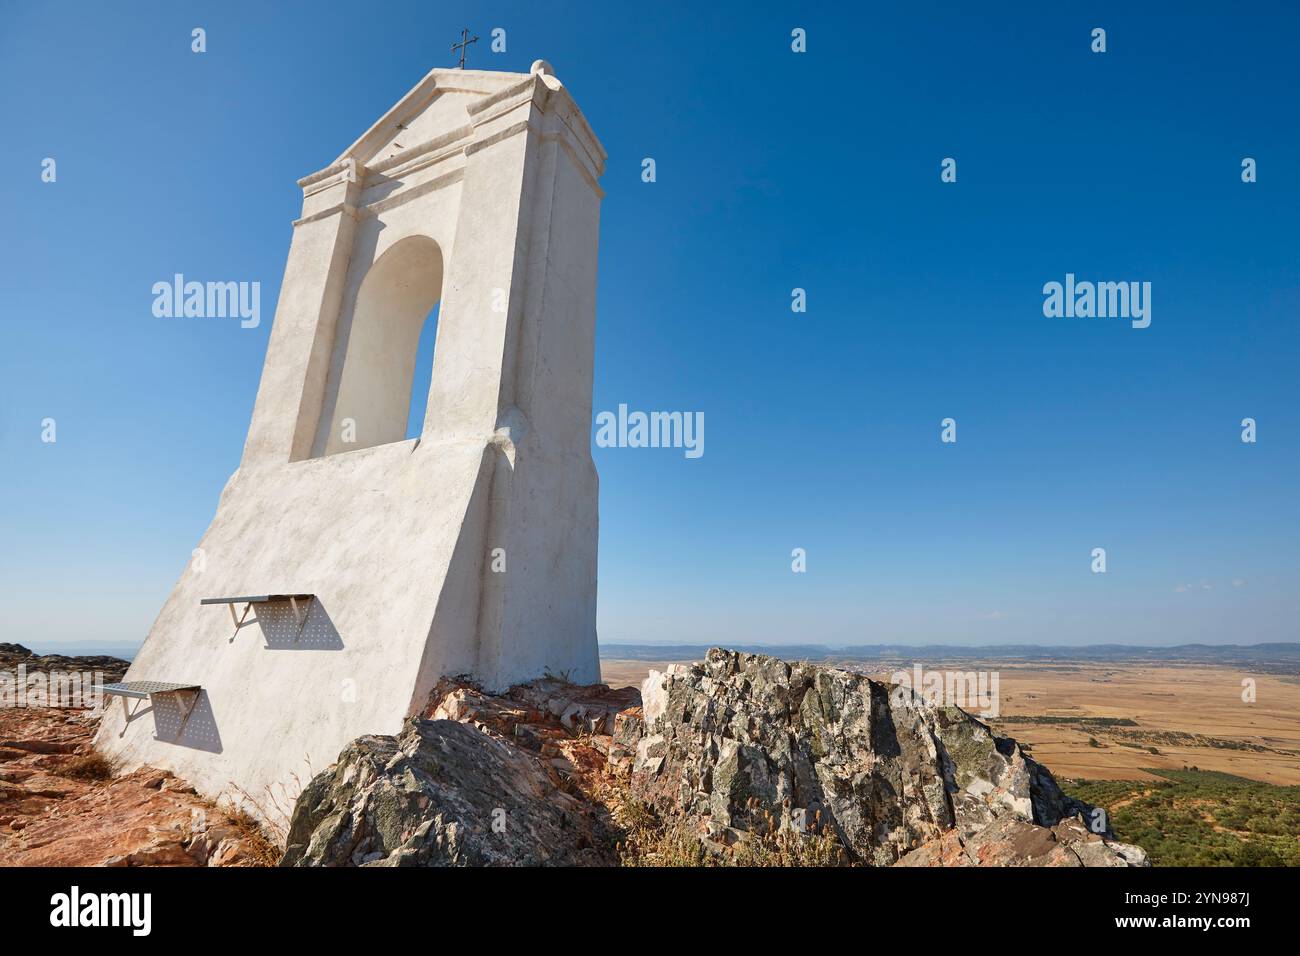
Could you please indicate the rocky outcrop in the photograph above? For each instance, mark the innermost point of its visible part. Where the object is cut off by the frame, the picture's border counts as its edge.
(731, 752)
(478, 780)
(725, 754)
(742, 743)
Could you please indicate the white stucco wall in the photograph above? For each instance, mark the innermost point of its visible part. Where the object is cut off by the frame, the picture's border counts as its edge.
(497, 173)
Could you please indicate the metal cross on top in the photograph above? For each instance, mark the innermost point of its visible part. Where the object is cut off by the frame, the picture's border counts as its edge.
(465, 41)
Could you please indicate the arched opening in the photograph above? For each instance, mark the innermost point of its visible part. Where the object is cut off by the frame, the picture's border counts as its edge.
(423, 375)
(396, 303)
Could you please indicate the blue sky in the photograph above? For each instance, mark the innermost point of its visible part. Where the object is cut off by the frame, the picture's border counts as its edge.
(775, 170)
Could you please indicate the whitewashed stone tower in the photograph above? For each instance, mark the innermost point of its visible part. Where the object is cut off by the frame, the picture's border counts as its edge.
(468, 550)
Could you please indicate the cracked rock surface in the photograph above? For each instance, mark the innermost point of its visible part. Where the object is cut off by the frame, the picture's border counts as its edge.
(145, 818)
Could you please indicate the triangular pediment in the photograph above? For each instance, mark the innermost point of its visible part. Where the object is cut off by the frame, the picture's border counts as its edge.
(435, 107)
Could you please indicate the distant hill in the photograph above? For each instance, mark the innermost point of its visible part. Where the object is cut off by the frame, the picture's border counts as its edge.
(12, 655)
(123, 650)
(1285, 657)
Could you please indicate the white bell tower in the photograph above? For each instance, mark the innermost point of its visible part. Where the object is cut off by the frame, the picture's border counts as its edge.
(470, 549)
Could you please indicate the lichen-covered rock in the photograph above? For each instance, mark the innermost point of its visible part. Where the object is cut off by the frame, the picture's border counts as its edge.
(745, 742)
(1011, 841)
(444, 793)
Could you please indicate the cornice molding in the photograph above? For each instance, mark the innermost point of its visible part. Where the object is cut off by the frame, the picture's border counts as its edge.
(555, 116)
(342, 208)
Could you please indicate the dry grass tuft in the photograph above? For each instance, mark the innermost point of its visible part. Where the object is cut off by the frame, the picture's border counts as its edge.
(261, 849)
(653, 842)
(92, 766)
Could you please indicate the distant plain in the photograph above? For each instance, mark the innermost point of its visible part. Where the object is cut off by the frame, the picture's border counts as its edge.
(1110, 720)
